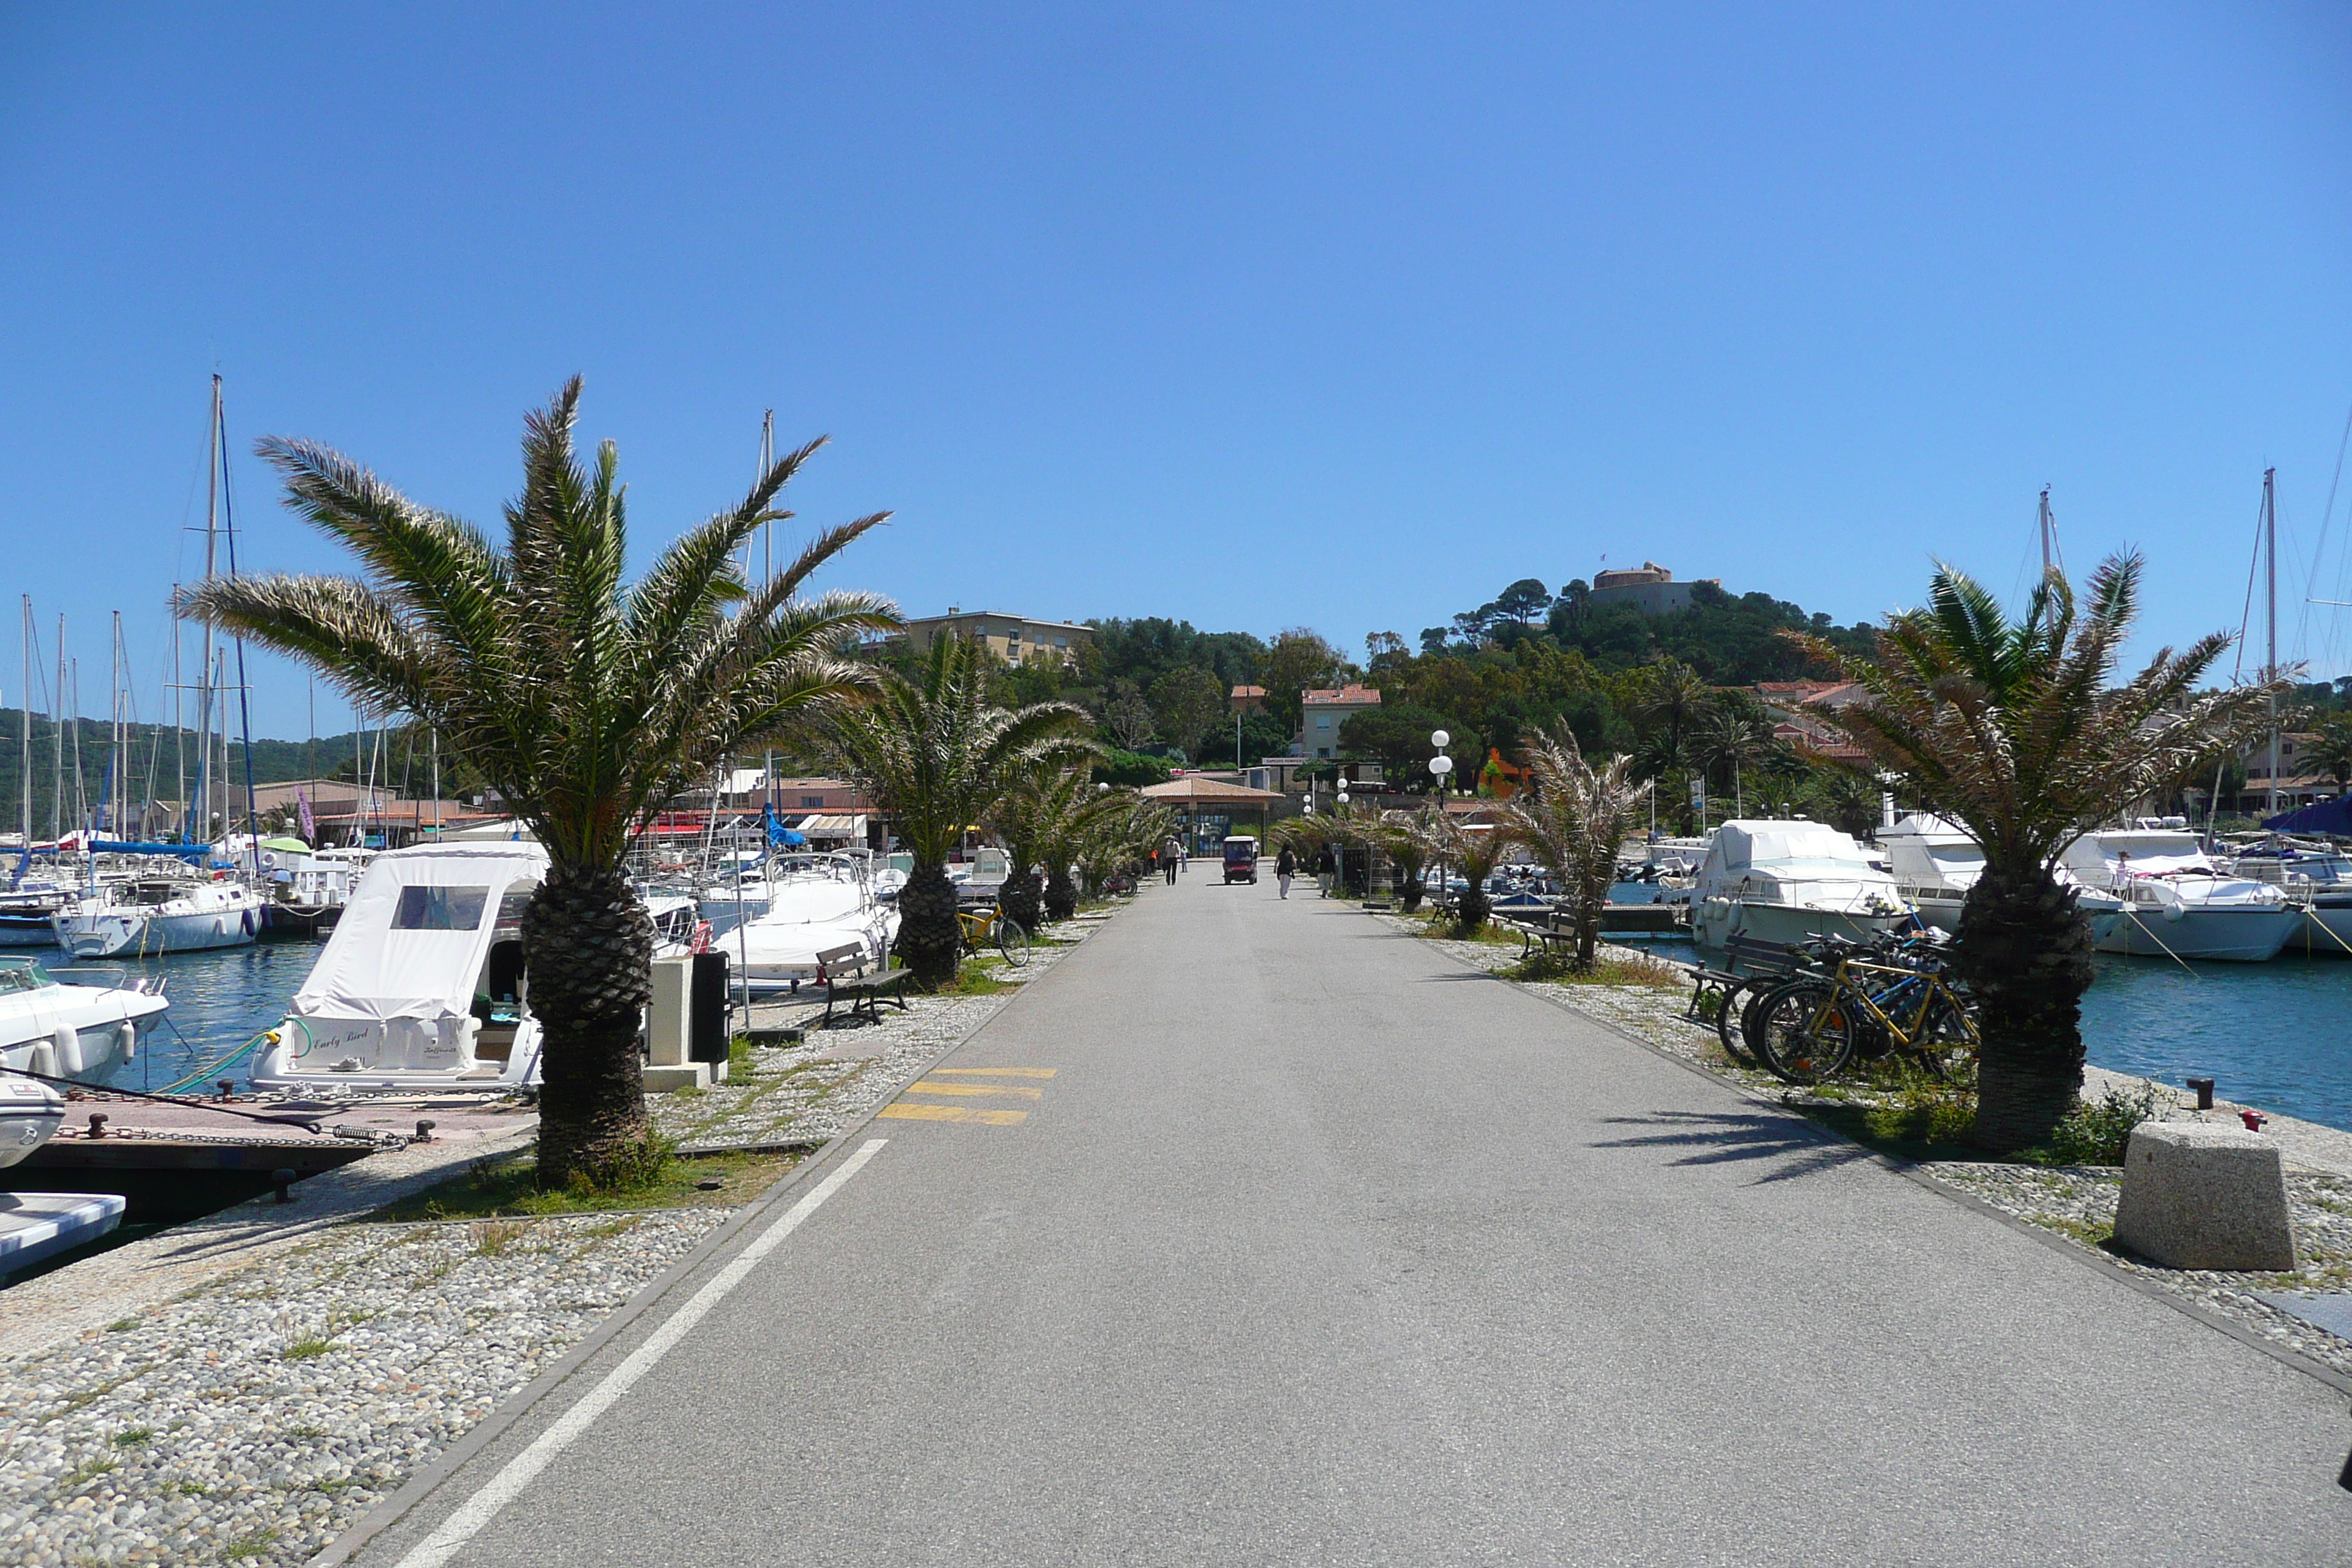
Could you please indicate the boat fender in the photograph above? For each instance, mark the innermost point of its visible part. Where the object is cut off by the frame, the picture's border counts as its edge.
(2176, 911)
(130, 1030)
(45, 1058)
(245, 921)
(68, 1040)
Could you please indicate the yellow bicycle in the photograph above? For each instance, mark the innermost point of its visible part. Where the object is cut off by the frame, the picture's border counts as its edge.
(1810, 1028)
(989, 926)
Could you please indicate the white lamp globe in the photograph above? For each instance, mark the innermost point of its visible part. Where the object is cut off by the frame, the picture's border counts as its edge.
(1441, 766)
(1343, 797)
(1439, 738)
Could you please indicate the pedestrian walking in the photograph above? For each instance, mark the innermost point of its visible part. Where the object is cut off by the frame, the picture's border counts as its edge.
(1285, 866)
(1171, 855)
(1327, 867)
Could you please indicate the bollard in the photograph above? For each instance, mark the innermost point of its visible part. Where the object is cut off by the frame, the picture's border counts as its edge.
(96, 1124)
(282, 1179)
(2204, 1088)
(2253, 1120)
(425, 1132)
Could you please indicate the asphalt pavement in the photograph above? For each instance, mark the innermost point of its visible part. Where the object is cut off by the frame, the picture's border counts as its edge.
(1258, 1233)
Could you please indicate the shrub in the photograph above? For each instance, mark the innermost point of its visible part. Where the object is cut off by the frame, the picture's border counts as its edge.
(2096, 1134)
(1916, 1108)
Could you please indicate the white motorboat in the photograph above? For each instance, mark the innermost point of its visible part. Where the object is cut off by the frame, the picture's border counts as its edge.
(36, 1225)
(1936, 863)
(832, 905)
(82, 1029)
(1787, 882)
(2319, 883)
(2177, 902)
(421, 985)
(164, 909)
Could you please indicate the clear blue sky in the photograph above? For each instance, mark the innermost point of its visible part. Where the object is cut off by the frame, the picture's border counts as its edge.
(1338, 316)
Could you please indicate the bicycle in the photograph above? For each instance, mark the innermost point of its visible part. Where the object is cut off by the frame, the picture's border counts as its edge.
(991, 926)
(1812, 1028)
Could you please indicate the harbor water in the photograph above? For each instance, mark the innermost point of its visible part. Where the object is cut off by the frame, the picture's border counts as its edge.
(220, 999)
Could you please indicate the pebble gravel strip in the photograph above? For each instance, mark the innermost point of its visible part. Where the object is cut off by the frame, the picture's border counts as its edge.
(808, 1092)
(252, 1419)
(2075, 1203)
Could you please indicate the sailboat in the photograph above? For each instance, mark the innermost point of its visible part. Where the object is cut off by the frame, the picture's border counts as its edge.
(163, 903)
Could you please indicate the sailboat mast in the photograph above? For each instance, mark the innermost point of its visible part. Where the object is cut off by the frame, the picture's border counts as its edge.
(2049, 526)
(58, 743)
(243, 686)
(768, 574)
(28, 723)
(203, 831)
(2269, 617)
(114, 768)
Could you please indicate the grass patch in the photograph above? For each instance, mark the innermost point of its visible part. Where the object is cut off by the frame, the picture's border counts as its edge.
(1548, 962)
(305, 1432)
(742, 1061)
(976, 979)
(1921, 1145)
(258, 1544)
(131, 1437)
(508, 1188)
(2090, 1233)
(121, 1325)
(305, 1348)
(492, 1237)
(89, 1470)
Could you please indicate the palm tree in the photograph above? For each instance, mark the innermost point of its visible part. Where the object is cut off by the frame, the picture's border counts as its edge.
(2009, 729)
(1474, 853)
(935, 756)
(1401, 839)
(1574, 819)
(584, 703)
(1731, 731)
(1027, 820)
(1120, 834)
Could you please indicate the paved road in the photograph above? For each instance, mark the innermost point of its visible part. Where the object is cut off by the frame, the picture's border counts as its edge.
(1316, 1249)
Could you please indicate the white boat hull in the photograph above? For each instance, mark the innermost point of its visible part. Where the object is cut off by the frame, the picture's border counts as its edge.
(2244, 934)
(29, 1113)
(116, 931)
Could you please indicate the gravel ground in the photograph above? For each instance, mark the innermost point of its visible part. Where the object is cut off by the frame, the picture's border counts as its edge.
(810, 1091)
(2076, 1203)
(252, 1419)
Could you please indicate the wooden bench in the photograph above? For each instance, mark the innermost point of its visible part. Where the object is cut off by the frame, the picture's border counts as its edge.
(845, 971)
(1549, 931)
(1744, 957)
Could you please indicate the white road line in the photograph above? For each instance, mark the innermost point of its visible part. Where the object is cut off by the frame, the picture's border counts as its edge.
(478, 1511)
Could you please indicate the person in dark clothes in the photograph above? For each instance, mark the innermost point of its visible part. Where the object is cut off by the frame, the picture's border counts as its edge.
(1327, 867)
(1285, 866)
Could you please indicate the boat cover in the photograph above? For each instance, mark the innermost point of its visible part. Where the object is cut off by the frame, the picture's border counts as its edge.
(411, 939)
(1742, 843)
(2328, 816)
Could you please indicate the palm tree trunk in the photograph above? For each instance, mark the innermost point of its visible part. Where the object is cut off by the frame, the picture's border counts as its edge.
(1471, 910)
(928, 936)
(588, 951)
(1018, 897)
(2025, 952)
(1061, 893)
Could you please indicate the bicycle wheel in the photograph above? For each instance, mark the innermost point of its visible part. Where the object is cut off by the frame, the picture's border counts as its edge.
(1946, 1041)
(1802, 1033)
(1012, 940)
(1729, 1020)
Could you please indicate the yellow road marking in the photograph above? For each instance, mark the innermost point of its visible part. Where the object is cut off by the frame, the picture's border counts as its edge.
(927, 1086)
(906, 1111)
(994, 1072)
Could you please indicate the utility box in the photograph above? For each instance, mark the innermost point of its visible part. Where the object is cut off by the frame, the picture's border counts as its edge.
(707, 1009)
(667, 1033)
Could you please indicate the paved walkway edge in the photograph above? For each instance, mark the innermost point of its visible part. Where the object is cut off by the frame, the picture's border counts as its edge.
(421, 1487)
(1920, 1174)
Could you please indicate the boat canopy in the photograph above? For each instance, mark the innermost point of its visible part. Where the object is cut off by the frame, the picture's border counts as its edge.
(183, 851)
(1738, 844)
(411, 939)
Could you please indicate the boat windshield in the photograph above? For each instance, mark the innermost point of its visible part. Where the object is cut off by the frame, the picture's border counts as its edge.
(23, 974)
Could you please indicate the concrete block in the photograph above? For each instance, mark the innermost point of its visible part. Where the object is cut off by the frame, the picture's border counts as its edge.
(2199, 1196)
(661, 1080)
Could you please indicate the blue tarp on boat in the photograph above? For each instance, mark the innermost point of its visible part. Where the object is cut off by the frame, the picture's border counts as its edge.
(2328, 816)
(184, 851)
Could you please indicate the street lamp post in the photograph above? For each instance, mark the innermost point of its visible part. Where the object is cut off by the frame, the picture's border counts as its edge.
(1439, 766)
(1340, 799)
